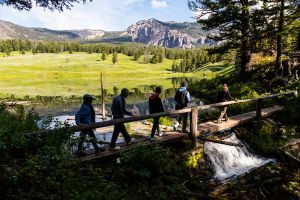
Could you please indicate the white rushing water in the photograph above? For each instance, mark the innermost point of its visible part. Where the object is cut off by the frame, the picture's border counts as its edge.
(230, 161)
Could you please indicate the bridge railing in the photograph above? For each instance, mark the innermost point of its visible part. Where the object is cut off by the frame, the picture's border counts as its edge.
(193, 115)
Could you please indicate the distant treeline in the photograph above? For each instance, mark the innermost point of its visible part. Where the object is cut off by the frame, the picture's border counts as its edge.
(183, 60)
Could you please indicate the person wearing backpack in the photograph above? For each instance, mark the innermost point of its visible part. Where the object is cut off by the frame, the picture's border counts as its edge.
(223, 96)
(85, 116)
(182, 98)
(155, 106)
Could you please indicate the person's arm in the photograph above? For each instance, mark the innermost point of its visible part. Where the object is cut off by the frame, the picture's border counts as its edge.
(124, 109)
(188, 97)
(83, 111)
(229, 96)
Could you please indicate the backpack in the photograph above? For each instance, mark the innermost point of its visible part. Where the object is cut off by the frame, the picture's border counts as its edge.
(180, 97)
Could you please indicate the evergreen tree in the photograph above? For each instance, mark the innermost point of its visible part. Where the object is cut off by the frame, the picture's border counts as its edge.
(114, 58)
(49, 4)
(103, 56)
(232, 20)
(136, 56)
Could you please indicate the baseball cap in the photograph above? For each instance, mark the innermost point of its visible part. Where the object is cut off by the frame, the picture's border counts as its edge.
(88, 97)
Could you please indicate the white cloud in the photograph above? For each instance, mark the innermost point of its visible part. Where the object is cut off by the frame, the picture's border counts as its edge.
(129, 2)
(157, 4)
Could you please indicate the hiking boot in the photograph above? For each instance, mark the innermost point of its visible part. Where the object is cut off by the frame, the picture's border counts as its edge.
(175, 126)
(160, 133)
(153, 138)
(130, 142)
(115, 148)
(81, 153)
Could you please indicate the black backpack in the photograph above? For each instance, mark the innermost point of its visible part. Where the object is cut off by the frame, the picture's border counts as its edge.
(180, 97)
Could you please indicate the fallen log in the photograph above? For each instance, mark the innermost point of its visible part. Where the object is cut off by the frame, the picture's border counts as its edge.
(220, 142)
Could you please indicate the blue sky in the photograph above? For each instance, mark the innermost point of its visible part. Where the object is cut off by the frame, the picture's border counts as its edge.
(107, 15)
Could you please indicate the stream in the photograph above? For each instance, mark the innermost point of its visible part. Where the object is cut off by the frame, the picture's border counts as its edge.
(231, 161)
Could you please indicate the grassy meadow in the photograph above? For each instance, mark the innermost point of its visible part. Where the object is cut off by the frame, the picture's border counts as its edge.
(78, 73)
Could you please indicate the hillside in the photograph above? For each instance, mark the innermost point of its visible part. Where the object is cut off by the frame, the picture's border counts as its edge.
(149, 32)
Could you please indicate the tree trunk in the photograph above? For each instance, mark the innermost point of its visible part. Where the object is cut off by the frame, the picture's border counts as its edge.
(245, 48)
(278, 66)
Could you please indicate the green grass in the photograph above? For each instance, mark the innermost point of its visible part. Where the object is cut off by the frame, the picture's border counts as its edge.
(74, 74)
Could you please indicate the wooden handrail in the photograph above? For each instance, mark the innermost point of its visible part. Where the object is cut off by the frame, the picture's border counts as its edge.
(162, 114)
(203, 107)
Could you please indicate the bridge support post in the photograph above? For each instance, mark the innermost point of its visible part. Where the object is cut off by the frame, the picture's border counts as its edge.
(258, 109)
(194, 126)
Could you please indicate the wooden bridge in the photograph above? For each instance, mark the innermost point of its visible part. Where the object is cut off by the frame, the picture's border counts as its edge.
(196, 129)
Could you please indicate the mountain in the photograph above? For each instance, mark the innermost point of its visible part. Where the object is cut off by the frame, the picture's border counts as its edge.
(149, 32)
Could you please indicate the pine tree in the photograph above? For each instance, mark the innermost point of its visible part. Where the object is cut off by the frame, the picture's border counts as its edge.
(114, 58)
(232, 20)
(103, 56)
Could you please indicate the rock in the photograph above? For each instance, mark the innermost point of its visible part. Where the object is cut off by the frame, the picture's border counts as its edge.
(145, 122)
(282, 130)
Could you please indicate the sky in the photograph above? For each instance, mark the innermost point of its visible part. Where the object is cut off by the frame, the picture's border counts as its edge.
(108, 15)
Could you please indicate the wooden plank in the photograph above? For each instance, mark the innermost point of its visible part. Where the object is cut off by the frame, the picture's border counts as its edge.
(211, 127)
(193, 126)
(108, 154)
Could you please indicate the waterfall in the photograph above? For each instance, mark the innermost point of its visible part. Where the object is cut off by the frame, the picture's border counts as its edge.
(230, 161)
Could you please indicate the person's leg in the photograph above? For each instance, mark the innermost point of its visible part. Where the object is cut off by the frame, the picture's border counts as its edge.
(125, 133)
(117, 130)
(184, 123)
(155, 126)
(179, 118)
(93, 139)
(222, 114)
(225, 114)
(82, 138)
(158, 128)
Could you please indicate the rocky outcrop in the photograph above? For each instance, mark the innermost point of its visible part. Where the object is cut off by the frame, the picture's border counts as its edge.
(6, 30)
(153, 32)
(88, 34)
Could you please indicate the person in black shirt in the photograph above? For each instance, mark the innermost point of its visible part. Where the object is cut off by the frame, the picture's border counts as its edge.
(119, 111)
(155, 106)
(223, 96)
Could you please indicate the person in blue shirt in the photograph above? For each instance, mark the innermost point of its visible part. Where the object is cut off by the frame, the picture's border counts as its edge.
(119, 111)
(86, 115)
(182, 98)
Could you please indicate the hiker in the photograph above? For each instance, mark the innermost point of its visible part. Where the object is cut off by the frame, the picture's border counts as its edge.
(182, 98)
(155, 106)
(223, 96)
(86, 115)
(118, 111)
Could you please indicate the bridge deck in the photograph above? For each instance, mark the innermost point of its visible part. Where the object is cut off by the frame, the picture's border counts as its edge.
(207, 127)
(168, 137)
(211, 127)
